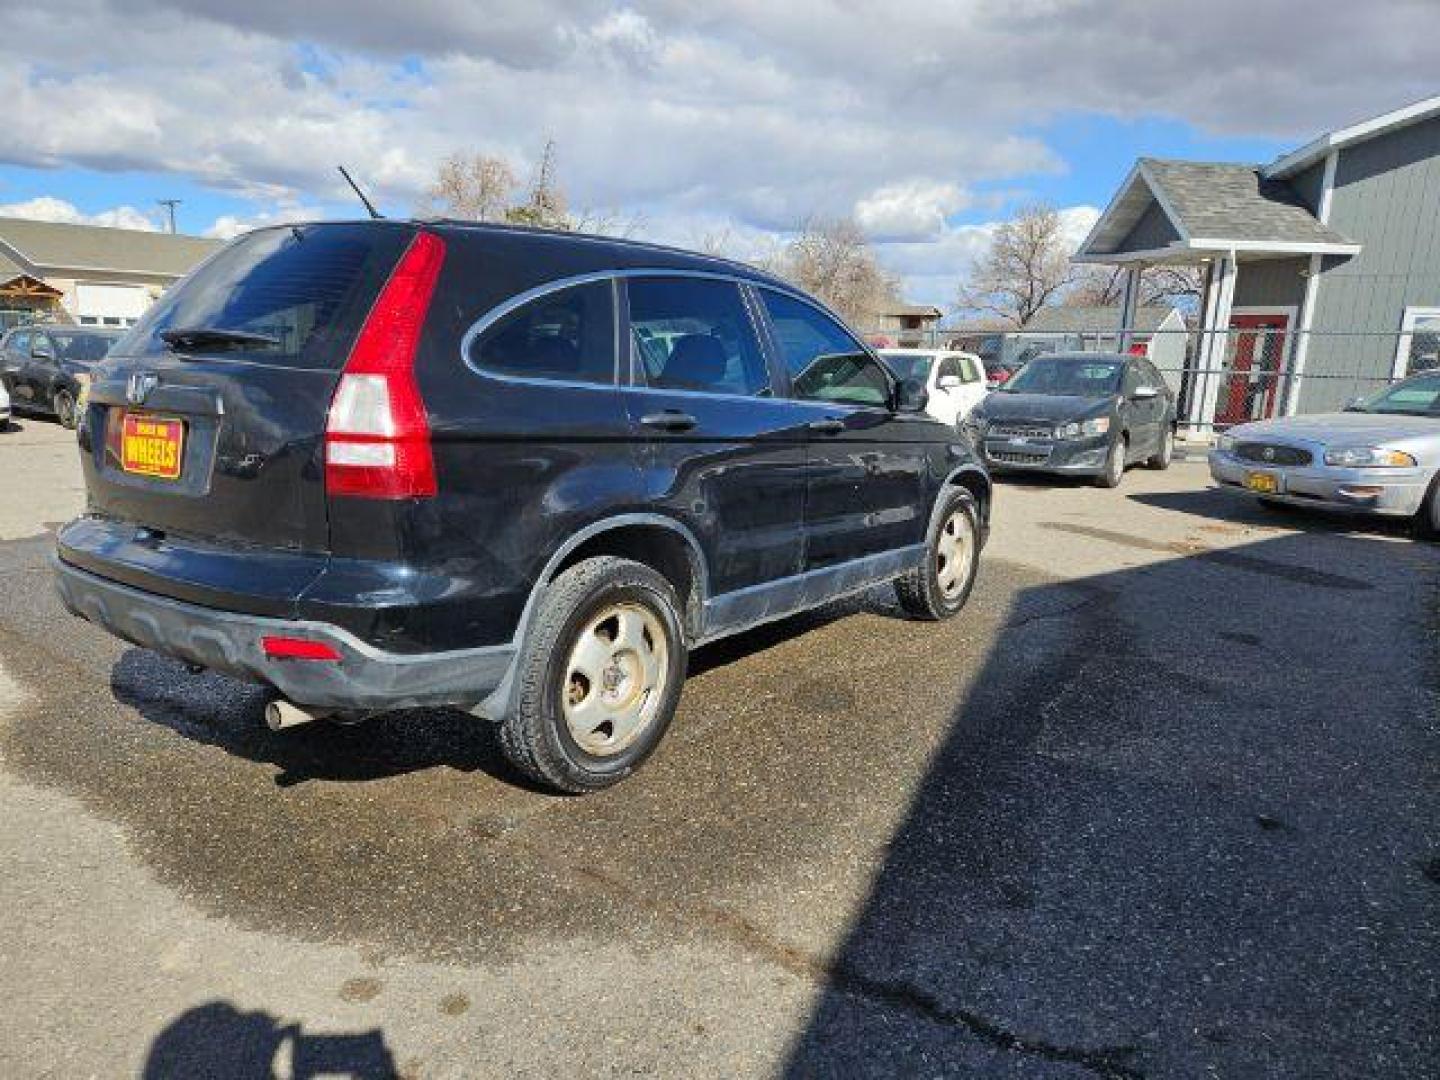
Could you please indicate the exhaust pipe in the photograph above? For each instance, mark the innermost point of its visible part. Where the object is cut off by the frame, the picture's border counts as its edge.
(281, 714)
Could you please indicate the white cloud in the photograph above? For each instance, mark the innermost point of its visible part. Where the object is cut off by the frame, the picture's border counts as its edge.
(229, 226)
(909, 210)
(49, 208)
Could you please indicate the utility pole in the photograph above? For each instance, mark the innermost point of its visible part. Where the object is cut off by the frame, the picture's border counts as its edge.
(169, 205)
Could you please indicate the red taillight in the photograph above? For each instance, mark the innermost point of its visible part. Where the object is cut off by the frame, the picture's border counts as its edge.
(377, 437)
(291, 648)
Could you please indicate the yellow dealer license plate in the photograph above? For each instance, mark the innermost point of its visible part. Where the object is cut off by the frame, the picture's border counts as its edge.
(1263, 482)
(151, 446)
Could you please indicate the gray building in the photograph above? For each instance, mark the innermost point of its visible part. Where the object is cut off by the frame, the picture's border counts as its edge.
(1322, 268)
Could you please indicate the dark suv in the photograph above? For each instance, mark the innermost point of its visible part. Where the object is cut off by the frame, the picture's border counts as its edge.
(43, 366)
(389, 464)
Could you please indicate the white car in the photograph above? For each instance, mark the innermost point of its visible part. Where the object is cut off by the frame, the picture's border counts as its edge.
(955, 381)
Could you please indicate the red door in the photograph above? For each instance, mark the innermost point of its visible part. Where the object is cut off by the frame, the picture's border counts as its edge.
(1257, 348)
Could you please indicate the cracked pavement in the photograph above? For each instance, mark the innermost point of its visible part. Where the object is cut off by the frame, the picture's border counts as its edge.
(1162, 802)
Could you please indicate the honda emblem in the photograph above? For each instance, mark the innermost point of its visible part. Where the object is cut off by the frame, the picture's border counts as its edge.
(138, 388)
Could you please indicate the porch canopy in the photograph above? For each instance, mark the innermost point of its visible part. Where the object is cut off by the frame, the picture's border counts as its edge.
(1220, 216)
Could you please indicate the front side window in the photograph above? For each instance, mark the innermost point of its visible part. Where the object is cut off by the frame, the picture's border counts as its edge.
(567, 335)
(695, 334)
(825, 363)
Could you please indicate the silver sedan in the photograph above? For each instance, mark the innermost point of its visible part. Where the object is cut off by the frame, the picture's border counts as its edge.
(1379, 456)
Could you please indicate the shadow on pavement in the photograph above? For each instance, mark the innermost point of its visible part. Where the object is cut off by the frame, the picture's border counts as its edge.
(217, 1041)
(224, 712)
(1231, 507)
(1177, 828)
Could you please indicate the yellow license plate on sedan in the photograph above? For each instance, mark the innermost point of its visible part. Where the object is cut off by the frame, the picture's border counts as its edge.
(152, 445)
(1263, 482)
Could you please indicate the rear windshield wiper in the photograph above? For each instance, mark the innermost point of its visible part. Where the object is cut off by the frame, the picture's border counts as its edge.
(217, 337)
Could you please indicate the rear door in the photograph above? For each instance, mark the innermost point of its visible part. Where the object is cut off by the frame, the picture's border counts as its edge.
(190, 433)
(867, 464)
(720, 447)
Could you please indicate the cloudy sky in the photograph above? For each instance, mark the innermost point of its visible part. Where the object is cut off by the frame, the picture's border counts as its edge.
(927, 120)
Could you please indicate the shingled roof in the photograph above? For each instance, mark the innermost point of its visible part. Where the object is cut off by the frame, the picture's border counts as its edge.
(1233, 202)
(46, 247)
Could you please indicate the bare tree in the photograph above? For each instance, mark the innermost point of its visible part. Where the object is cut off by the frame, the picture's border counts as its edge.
(545, 206)
(1026, 267)
(832, 259)
(1104, 286)
(474, 187)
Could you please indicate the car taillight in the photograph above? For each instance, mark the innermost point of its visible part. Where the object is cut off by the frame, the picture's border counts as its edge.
(377, 437)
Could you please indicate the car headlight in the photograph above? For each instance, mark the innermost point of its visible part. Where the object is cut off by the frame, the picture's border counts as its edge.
(1098, 425)
(1368, 457)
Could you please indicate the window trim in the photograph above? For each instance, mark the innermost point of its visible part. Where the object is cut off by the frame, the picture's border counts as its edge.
(1412, 314)
(626, 376)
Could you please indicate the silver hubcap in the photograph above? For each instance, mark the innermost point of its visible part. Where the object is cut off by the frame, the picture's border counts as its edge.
(1117, 461)
(952, 554)
(615, 678)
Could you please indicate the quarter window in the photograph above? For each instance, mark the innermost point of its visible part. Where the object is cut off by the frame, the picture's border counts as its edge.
(567, 335)
(825, 362)
(695, 334)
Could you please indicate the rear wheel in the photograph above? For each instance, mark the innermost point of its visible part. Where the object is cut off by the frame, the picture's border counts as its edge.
(1114, 470)
(1161, 458)
(65, 408)
(1427, 518)
(940, 586)
(599, 676)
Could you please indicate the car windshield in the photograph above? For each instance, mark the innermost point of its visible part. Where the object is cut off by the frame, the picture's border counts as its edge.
(1071, 376)
(1418, 396)
(908, 365)
(83, 346)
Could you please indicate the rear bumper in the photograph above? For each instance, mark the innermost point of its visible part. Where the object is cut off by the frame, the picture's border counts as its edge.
(230, 642)
(1389, 492)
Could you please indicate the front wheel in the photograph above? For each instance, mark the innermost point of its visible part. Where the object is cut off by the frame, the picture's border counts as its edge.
(1114, 470)
(65, 409)
(1161, 458)
(939, 587)
(598, 678)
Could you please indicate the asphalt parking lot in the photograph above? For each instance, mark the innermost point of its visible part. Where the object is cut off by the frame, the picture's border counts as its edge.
(1162, 802)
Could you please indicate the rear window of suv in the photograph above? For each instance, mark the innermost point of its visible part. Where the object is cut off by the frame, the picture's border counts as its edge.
(307, 287)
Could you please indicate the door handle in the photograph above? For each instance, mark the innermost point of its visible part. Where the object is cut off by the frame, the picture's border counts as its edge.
(829, 426)
(669, 420)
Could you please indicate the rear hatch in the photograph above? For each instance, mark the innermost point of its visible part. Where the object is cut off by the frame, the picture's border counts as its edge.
(205, 425)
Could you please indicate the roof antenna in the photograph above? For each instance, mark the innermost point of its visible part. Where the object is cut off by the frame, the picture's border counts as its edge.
(356, 188)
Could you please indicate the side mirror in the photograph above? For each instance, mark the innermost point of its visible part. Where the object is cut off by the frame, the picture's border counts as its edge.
(911, 396)
(948, 383)
(1353, 405)
(1145, 393)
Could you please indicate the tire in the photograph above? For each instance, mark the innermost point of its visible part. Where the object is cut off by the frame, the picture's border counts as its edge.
(1114, 470)
(64, 403)
(932, 591)
(1427, 518)
(1166, 454)
(570, 728)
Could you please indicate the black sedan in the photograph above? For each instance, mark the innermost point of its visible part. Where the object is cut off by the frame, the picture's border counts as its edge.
(44, 365)
(1078, 414)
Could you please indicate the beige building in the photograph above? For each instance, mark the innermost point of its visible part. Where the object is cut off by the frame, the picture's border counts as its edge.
(87, 274)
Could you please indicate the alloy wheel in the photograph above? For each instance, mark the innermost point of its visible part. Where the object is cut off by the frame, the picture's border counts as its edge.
(615, 678)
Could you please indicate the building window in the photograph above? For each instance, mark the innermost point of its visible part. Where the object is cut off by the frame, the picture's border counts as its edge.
(88, 320)
(1419, 345)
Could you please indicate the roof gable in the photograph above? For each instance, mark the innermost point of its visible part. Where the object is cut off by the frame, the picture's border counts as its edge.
(45, 246)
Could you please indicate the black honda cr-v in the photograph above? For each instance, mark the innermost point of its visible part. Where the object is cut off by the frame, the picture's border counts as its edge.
(385, 464)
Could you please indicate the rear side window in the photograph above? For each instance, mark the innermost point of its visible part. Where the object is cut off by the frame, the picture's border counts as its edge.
(307, 287)
(567, 335)
(695, 334)
(824, 361)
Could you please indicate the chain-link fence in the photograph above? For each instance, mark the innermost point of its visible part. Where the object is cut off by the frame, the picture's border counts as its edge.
(1257, 369)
